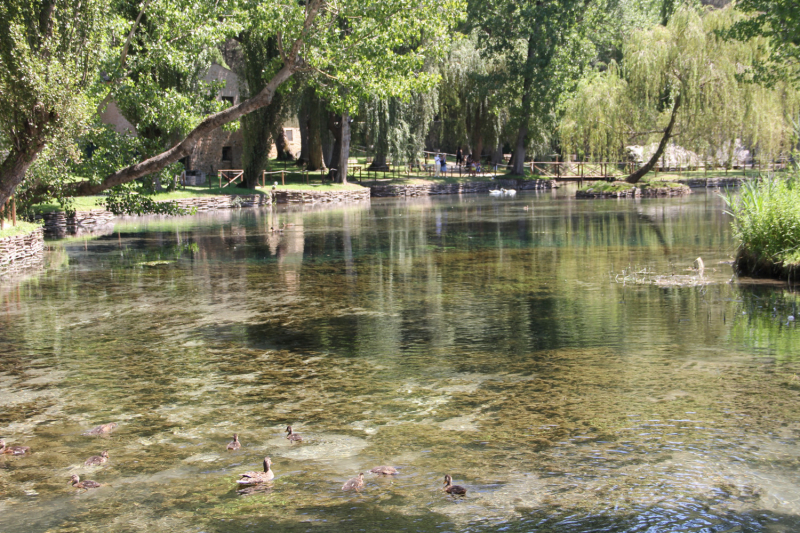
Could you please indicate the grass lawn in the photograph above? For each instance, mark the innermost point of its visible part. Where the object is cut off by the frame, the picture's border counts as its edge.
(20, 229)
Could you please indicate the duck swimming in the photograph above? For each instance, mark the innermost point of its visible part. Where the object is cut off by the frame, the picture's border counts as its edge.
(449, 488)
(384, 470)
(356, 483)
(235, 444)
(13, 450)
(251, 478)
(292, 436)
(97, 459)
(78, 484)
(102, 429)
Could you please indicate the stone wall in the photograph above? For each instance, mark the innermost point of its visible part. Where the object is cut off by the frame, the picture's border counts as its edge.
(380, 191)
(710, 183)
(21, 251)
(58, 224)
(313, 197)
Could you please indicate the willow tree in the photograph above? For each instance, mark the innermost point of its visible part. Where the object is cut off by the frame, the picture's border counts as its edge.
(680, 82)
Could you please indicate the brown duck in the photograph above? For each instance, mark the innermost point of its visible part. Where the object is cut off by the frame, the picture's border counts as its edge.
(235, 444)
(97, 459)
(102, 429)
(384, 470)
(292, 436)
(13, 450)
(449, 488)
(251, 478)
(356, 483)
(78, 484)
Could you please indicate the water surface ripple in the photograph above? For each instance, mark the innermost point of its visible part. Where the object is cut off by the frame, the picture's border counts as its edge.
(491, 339)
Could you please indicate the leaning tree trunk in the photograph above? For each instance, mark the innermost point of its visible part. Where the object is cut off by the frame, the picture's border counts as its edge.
(14, 167)
(344, 147)
(639, 174)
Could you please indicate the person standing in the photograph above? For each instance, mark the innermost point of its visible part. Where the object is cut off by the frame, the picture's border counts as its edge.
(459, 156)
(436, 166)
(444, 163)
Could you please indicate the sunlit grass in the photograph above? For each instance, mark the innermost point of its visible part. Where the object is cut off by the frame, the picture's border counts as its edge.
(21, 228)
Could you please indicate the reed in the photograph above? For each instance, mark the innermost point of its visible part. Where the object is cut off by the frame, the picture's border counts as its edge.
(766, 220)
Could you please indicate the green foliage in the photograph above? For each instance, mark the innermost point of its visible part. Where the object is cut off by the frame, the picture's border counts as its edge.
(766, 217)
(130, 199)
(632, 104)
(778, 22)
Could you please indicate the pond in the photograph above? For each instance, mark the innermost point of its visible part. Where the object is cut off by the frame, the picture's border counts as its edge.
(559, 358)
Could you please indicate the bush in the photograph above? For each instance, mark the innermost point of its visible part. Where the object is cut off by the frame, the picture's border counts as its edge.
(766, 218)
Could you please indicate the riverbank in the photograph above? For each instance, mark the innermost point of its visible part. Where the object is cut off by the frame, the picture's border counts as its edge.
(433, 188)
(643, 189)
(21, 247)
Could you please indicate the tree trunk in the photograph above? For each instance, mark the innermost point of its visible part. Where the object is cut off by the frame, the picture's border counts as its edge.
(256, 144)
(344, 147)
(497, 155)
(10, 178)
(336, 130)
(518, 168)
(477, 134)
(315, 160)
(379, 162)
(13, 169)
(302, 118)
(639, 174)
(185, 147)
(282, 144)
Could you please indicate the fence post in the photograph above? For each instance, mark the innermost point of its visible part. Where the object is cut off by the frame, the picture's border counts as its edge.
(283, 181)
(13, 211)
(220, 179)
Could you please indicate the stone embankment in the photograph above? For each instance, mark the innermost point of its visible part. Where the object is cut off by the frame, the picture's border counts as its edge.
(58, 224)
(21, 251)
(382, 191)
(634, 192)
(315, 197)
(712, 183)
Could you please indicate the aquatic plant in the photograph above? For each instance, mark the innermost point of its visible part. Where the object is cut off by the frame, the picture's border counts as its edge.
(766, 221)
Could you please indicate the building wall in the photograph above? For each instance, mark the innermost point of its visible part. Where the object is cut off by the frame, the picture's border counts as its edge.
(112, 115)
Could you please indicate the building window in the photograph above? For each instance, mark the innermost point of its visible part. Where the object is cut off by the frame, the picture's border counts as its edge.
(289, 134)
(227, 154)
(228, 100)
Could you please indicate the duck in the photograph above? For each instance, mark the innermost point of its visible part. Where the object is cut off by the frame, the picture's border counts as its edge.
(13, 450)
(449, 488)
(384, 470)
(97, 459)
(78, 484)
(102, 429)
(235, 444)
(292, 436)
(251, 478)
(355, 483)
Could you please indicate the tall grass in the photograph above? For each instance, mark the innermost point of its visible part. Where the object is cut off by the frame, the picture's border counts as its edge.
(766, 219)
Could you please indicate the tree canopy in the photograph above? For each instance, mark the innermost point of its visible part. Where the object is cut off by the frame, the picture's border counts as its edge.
(680, 81)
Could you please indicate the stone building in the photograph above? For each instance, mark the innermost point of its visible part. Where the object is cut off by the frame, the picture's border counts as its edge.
(219, 150)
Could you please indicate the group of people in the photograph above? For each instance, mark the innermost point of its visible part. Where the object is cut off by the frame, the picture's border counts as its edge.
(473, 166)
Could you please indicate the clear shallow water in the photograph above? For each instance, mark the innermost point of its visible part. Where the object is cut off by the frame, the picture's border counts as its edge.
(450, 335)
